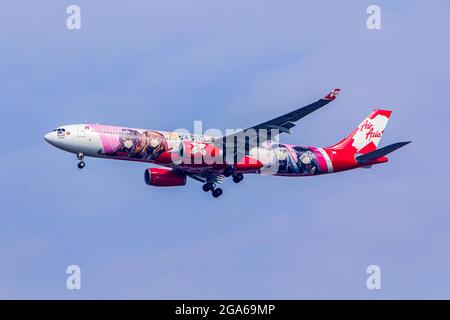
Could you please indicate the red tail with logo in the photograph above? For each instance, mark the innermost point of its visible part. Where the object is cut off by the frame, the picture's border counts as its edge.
(363, 139)
(367, 135)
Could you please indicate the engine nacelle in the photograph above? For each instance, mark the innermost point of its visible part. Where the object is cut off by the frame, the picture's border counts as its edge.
(162, 177)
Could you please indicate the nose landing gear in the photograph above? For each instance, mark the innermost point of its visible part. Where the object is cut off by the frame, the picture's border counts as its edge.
(80, 158)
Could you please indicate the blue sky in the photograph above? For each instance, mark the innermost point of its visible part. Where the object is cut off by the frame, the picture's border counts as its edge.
(164, 64)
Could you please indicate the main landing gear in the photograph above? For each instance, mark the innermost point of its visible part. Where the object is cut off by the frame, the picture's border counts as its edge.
(230, 171)
(80, 158)
(238, 177)
(209, 186)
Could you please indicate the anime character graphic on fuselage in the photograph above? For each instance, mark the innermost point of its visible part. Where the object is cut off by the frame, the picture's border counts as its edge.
(147, 145)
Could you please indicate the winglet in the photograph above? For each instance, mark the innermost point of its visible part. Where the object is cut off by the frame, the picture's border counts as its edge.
(332, 95)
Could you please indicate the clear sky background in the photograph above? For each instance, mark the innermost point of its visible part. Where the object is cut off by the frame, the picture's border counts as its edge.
(164, 64)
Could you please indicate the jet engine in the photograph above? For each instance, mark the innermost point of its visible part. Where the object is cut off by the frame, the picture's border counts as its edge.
(162, 177)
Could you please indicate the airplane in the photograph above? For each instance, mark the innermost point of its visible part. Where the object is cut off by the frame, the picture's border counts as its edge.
(211, 159)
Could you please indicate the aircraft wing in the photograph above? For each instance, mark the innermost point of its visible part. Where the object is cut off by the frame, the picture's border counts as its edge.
(277, 125)
(201, 176)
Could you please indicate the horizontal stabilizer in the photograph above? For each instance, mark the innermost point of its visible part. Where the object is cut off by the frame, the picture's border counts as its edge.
(380, 152)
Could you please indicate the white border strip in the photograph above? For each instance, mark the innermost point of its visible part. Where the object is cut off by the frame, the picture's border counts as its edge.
(327, 159)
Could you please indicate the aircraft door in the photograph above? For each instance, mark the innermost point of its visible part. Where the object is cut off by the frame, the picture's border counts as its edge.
(81, 131)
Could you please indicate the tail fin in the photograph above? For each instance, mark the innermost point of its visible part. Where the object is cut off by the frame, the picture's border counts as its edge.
(367, 135)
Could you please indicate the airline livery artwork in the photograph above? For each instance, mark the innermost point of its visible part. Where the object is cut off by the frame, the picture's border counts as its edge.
(147, 145)
(292, 159)
(131, 143)
(205, 159)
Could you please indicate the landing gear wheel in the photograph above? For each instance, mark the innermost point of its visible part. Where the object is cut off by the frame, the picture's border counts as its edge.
(228, 171)
(238, 177)
(208, 187)
(80, 157)
(217, 192)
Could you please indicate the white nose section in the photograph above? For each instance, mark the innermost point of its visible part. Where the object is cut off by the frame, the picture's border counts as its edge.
(50, 138)
(70, 139)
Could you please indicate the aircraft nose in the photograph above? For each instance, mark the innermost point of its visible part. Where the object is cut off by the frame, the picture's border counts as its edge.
(50, 137)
